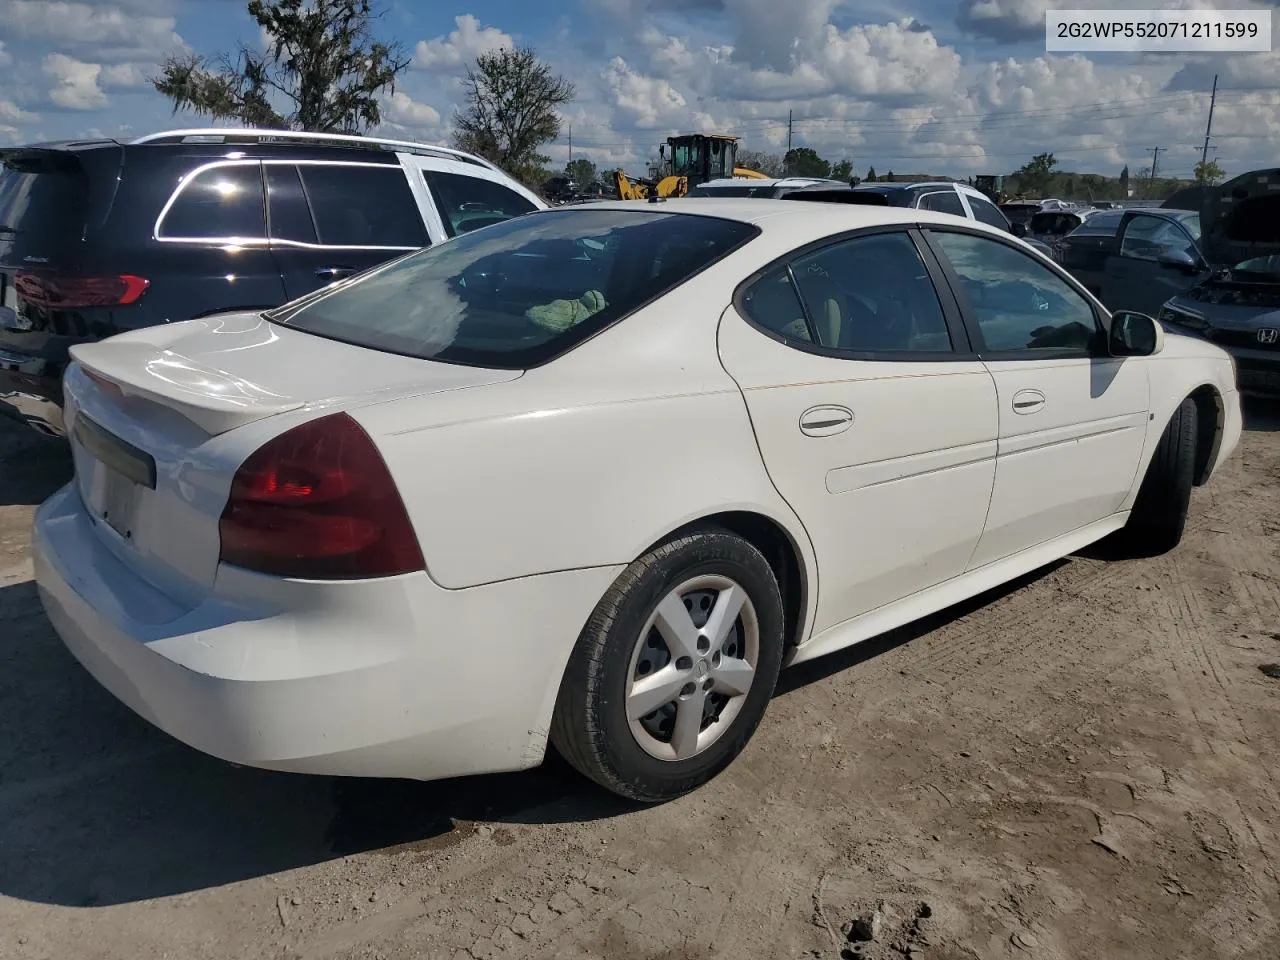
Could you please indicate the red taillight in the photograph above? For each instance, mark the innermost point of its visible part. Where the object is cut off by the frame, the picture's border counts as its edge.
(110, 386)
(318, 503)
(69, 293)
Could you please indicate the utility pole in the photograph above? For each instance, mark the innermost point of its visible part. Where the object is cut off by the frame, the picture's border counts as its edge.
(571, 143)
(786, 162)
(1155, 162)
(1208, 127)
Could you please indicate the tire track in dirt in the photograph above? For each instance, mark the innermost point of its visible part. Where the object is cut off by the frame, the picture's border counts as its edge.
(1220, 717)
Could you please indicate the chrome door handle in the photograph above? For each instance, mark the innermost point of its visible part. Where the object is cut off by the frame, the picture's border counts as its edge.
(826, 420)
(334, 273)
(1028, 401)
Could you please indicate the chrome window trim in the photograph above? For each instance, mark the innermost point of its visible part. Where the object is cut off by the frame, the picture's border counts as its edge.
(430, 149)
(185, 181)
(264, 241)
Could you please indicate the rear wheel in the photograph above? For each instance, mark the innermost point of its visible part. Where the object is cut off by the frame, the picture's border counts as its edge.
(1160, 511)
(674, 670)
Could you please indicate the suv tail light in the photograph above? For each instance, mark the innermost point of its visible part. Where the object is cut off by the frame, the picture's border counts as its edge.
(69, 293)
(317, 502)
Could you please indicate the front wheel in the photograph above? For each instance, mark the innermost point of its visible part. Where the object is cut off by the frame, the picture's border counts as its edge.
(674, 669)
(1159, 513)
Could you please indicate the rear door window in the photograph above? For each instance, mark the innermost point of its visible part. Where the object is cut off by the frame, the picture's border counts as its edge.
(220, 203)
(944, 201)
(43, 206)
(469, 203)
(520, 292)
(363, 206)
(866, 295)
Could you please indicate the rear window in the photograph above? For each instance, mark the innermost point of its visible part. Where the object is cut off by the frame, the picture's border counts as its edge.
(522, 292)
(1100, 224)
(42, 208)
(1019, 212)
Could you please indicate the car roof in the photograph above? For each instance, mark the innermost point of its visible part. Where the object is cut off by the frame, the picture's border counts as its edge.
(766, 182)
(906, 185)
(804, 218)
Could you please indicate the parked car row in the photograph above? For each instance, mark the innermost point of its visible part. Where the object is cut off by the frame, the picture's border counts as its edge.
(1213, 272)
(99, 237)
(957, 199)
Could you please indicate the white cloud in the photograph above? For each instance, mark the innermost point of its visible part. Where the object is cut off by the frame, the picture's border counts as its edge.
(642, 101)
(1005, 21)
(404, 117)
(75, 83)
(5, 57)
(460, 47)
(10, 112)
(109, 31)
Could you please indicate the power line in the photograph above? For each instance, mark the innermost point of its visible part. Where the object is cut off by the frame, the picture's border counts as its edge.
(1101, 111)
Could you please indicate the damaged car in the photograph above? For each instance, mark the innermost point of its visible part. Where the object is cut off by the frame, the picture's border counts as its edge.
(1215, 275)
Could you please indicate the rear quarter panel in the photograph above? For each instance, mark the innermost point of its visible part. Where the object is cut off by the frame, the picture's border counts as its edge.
(586, 461)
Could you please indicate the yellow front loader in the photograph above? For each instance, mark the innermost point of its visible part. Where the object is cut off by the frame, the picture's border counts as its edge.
(694, 158)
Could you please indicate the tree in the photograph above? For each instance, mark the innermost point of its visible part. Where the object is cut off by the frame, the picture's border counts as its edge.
(888, 177)
(1124, 183)
(1207, 173)
(842, 170)
(512, 98)
(1035, 175)
(769, 164)
(805, 162)
(582, 170)
(322, 70)
(871, 174)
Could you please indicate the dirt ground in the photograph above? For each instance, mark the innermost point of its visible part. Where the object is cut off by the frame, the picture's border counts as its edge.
(1081, 765)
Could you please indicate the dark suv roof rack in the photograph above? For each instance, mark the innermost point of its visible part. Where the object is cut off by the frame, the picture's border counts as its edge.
(237, 135)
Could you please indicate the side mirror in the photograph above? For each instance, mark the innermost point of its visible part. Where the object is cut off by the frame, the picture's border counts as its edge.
(1178, 260)
(1018, 229)
(1134, 335)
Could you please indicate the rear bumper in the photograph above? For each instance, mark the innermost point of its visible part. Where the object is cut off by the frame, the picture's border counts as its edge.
(388, 678)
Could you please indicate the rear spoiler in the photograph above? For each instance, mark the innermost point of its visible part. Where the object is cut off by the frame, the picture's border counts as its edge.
(40, 160)
(100, 169)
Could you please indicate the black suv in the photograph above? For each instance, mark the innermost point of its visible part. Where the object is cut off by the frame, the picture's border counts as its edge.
(98, 236)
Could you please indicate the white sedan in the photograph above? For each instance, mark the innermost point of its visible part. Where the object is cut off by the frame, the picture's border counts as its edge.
(592, 477)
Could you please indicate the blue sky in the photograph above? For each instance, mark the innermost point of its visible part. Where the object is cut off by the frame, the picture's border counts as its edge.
(954, 87)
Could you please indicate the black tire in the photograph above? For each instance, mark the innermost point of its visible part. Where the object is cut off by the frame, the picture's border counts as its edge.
(1160, 511)
(590, 728)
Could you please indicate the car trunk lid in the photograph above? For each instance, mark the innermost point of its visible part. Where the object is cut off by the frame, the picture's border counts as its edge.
(152, 415)
(227, 371)
(1240, 220)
